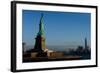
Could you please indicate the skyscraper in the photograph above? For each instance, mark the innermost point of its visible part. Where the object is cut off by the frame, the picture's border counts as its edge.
(40, 38)
(86, 44)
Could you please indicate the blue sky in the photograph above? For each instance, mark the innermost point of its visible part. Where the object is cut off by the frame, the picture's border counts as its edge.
(61, 28)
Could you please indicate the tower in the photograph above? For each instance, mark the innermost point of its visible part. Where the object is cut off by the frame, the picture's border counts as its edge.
(86, 44)
(40, 38)
(23, 45)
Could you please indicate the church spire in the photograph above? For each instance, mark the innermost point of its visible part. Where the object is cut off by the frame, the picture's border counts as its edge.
(41, 26)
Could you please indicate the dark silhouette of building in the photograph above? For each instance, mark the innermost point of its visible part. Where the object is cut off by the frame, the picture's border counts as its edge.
(86, 47)
(87, 51)
(23, 46)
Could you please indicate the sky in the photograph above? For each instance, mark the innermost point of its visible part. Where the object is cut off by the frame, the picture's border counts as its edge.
(61, 28)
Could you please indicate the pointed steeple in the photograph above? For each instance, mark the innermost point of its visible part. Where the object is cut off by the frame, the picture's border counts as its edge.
(41, 27)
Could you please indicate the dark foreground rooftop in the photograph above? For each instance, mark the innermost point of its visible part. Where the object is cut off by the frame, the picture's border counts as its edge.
(43, 59)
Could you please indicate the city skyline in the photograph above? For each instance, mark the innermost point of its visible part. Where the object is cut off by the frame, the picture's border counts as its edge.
(68, 28)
